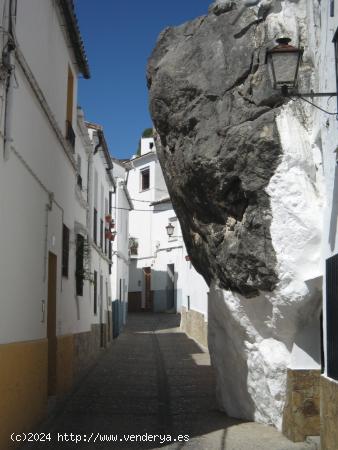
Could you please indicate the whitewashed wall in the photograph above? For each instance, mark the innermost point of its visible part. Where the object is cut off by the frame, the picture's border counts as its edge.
(99, 198)
(121, 207)
(326, 133)
(24, 195)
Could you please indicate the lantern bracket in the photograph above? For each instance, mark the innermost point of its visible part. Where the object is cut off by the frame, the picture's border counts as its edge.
(286, 93)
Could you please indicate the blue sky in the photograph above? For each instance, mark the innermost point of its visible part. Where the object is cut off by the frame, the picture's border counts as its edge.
(119, 36)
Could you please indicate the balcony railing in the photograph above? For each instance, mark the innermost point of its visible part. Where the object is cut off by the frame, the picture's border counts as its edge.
(70, 135)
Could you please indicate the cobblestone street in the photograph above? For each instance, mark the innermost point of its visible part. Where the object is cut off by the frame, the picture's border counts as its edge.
(154, 380)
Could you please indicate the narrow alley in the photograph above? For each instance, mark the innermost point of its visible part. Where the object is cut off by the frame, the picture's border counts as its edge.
(154, 380)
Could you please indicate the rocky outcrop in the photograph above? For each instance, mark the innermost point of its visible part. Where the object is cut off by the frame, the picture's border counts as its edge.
(238, 162)
(218, 141)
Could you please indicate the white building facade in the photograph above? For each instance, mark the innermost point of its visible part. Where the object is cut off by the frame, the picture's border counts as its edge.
(121, 205)
(325, 51)
(57, 221)
(162, 278)
(42, 55)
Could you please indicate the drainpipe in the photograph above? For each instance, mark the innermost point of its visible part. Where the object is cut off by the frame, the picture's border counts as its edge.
(7, 61)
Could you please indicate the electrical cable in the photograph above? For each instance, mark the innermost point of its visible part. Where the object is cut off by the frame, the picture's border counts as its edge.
(314, 105)
(128, 209)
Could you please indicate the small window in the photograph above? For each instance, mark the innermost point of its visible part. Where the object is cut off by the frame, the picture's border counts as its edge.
(65, 251)
(95, 226)
(151, 145)
(110, 250)
(95, 292)
(145, 179)
(70, 135)
(133, 246)
(79, 181)
(101, 233)
(79, 177)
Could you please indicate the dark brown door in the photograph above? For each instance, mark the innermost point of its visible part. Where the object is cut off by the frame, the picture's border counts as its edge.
(51, 322)
(147, 288)
(170, 286)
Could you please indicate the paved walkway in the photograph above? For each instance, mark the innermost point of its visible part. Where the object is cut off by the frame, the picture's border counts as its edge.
(154, 381)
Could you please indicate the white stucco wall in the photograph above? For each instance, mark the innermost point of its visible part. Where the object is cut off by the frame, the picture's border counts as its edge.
(99, 198)
(326, 133)
(121, 207)
(25, 180)
(45, 51)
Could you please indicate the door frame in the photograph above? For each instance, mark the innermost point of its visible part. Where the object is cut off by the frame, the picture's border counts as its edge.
(51, 322)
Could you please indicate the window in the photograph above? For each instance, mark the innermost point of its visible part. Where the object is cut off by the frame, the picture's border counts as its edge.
(79, 181)
(79, 272)
(101, 233)
(95, 226)
(70, 96)
(65, 251)
(79, 177)
(151, 145)
(331, 8)
(145, 179)
(110, 250)
(332, 316)
(95, 292)
(70, 135)
(133, 246)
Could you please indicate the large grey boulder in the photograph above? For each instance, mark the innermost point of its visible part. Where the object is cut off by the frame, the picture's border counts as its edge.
(240, 183)
(214, 112)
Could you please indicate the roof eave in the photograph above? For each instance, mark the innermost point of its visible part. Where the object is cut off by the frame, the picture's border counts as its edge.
(68, 11)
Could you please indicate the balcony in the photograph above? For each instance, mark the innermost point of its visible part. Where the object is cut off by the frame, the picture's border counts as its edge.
(70, 134)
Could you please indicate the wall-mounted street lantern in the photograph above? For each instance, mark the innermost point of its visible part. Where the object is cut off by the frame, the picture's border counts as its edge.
(170, 229)
(283, 63)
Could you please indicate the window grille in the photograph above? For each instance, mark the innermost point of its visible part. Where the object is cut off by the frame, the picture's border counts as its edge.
(332, 316)
(80, 271)
(65, 251)
(95, 226)
(145, 179)
(95, 292)
(101, 233)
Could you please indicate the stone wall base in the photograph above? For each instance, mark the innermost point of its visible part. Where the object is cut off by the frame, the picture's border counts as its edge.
(87, 347)
(329, 413)
(194, 325)
(301, 416)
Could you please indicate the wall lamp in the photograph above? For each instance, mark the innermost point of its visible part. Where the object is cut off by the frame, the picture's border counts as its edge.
(283, 62)
(170, 229)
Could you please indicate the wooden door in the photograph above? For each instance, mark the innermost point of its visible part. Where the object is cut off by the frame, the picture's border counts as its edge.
(51, 322)
(147, 288)
(170, 286)
(102, 328)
